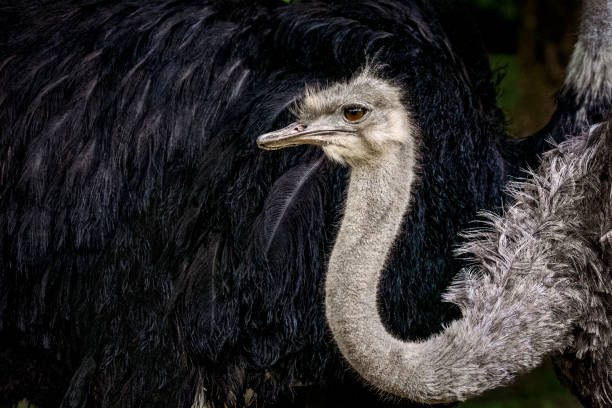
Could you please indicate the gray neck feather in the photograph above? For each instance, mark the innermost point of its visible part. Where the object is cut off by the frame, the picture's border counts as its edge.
(590, 69)
(378, 197)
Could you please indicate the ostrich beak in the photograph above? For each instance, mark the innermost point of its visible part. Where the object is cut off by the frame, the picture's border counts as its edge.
(297, 134)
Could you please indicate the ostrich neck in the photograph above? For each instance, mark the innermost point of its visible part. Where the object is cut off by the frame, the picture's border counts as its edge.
(589, 73)
(378, 197)
(512, 318)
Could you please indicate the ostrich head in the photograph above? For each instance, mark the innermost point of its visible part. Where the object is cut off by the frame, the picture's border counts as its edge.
(355, 123)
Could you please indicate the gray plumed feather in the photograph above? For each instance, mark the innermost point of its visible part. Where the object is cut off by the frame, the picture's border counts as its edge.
(541, 282)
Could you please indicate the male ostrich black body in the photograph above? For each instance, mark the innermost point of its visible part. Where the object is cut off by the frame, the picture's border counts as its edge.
(150, 251)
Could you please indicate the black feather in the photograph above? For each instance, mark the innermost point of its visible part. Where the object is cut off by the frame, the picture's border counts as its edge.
(150, 251)
(287, 192)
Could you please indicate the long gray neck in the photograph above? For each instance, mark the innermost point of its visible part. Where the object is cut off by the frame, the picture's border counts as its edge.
(378, 197)
(596, 25)
(517, 306)
(590, 69)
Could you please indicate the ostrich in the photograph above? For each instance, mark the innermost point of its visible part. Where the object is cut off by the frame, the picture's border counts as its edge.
(540, 283)
(151, 255)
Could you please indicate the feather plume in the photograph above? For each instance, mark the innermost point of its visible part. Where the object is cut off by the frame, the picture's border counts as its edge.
(285, 194)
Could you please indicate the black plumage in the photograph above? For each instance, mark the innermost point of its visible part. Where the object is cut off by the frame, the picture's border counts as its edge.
(136, 212)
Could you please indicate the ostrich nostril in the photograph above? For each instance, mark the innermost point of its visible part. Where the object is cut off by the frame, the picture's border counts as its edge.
(298, 128)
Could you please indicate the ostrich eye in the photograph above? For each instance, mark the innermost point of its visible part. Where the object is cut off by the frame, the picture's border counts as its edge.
(353, 113)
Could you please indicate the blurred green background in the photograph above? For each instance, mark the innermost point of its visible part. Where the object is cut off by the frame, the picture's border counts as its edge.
(537, 389)
(530, 42)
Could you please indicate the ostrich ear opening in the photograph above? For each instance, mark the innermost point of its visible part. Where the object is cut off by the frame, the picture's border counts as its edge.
(297, 134)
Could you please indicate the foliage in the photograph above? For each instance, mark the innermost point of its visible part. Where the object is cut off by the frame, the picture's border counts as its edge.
(507, 9)
(24, 404)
